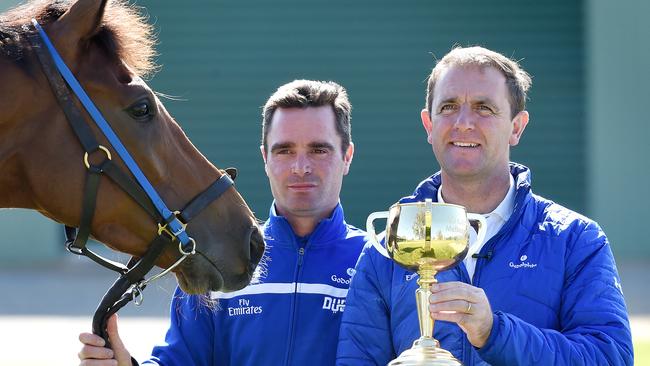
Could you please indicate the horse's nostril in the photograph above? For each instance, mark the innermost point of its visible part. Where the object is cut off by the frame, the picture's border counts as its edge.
(257, 245)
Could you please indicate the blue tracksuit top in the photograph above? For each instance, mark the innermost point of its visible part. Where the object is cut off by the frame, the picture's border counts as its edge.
(551, 281)
(291, 317)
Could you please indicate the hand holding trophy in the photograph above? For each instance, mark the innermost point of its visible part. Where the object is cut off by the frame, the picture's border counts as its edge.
(425, 237)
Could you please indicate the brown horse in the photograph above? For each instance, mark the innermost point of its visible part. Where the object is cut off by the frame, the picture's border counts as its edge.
(108, 47)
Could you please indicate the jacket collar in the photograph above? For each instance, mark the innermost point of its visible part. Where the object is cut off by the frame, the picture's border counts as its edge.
(277, 228)
(428, 188)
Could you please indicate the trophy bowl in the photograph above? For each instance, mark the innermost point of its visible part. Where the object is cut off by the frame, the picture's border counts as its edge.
(425, 237)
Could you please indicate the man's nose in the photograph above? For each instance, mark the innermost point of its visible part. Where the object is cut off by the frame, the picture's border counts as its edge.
(301, 165)
(464, 120)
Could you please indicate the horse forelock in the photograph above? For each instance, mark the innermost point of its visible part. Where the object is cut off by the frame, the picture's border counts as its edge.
(124, 34)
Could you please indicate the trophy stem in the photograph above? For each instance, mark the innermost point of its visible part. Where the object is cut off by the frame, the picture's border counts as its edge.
(422, 300)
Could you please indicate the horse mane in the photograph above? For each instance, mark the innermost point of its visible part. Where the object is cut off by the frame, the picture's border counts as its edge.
(124, 33)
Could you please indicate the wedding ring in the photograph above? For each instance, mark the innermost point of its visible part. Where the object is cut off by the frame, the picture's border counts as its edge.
(469, 307)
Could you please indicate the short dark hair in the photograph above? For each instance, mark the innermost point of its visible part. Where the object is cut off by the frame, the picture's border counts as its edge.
(309, 93)
(517, 80)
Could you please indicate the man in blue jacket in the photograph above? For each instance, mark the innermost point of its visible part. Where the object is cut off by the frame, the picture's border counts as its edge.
(292, 315)
(541, 289)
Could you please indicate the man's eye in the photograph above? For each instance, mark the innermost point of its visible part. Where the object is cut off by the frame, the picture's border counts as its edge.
(447, 108)
(484, 109)
(320, 151)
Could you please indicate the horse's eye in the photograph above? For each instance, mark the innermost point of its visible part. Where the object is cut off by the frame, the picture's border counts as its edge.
(141, 111)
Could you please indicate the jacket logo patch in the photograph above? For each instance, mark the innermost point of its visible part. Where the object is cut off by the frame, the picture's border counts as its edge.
(333, 304)
(244, 308)
(341, 280)
(523, 263)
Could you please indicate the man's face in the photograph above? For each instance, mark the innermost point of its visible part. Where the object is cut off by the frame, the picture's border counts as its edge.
(469, 125)
(304, 161)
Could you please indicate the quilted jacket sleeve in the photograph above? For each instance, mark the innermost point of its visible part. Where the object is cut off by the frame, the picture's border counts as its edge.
(594, 326)
(365, 335)
(189, 339)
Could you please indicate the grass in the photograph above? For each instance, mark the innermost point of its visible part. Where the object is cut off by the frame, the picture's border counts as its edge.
(642, 353)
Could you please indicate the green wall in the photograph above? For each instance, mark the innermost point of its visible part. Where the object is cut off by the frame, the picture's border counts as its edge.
(618, 129)
(226, 58)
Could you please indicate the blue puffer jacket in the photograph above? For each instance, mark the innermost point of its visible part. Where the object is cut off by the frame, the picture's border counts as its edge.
(291, 317)
(551, 281)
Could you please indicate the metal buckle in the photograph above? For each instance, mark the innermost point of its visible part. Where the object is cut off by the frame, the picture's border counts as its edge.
(137, 295)
(72, 249)
(191, 252)
(100, 147)
(164, 229)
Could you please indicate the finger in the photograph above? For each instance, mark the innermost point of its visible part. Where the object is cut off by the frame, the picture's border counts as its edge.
(452, 286)
(122, 355)
(441, 286)
(453, 306)
(452, 294)
(113, 334)
(95, 353)
(98, 363)
(91, 339)
(93, 347)
(450, 316)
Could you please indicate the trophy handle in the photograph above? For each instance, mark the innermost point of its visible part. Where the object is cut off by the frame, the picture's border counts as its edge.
(370, 228)
(482, 226)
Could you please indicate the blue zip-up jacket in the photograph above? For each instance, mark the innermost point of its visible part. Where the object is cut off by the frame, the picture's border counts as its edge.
(291, 317)
(551, 281)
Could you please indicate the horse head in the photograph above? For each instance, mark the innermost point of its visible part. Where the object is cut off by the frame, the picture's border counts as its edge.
(108, 47)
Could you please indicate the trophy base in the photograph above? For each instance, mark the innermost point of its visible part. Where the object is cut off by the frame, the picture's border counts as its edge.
(425, 351)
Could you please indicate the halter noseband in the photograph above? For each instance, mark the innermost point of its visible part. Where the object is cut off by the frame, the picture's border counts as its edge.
(171, 225)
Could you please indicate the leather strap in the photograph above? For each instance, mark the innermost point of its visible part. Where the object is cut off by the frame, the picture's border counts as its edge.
(202, 200)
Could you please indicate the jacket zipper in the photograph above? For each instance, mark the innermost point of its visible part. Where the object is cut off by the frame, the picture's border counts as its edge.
(464, 350)
(489, 247)
(301, 254)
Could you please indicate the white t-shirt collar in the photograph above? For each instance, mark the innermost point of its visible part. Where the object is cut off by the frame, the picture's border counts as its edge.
(504, 209)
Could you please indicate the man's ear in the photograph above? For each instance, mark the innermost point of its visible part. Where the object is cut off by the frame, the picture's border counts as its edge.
(425, 115)
(82, 21)
(519, 124)
(266, 167)
(347, 158)
(263, 151)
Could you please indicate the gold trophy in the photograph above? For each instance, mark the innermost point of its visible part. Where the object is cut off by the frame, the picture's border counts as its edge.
(425, 237)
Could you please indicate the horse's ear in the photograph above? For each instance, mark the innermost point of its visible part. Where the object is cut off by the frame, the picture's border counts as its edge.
(232, 172)
(80, 22)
